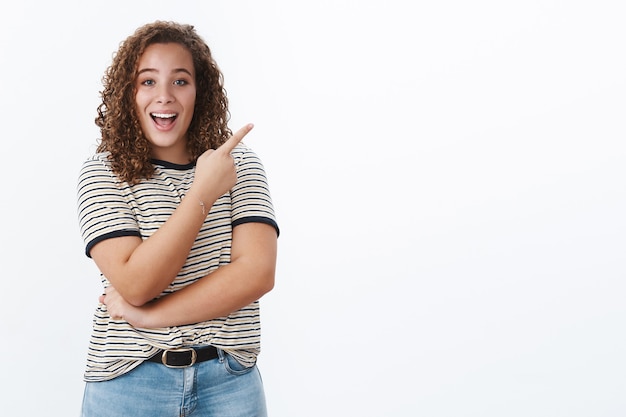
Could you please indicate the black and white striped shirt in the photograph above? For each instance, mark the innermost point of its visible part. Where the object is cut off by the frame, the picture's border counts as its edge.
(110, 208)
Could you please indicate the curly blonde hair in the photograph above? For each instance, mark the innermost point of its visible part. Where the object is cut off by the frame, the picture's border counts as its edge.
(121, 133)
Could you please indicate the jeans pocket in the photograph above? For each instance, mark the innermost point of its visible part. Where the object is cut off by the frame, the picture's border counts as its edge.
(233, 367)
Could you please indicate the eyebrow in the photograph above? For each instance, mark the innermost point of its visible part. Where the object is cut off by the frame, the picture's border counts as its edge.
(175, 71)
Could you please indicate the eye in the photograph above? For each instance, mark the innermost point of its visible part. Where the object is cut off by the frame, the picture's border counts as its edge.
(180, 82)
(147, 82)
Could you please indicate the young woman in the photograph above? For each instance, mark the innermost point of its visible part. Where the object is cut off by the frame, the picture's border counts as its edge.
(176, 213)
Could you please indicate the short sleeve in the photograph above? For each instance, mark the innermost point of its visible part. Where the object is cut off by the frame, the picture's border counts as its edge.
(250, 197)
(104, 210)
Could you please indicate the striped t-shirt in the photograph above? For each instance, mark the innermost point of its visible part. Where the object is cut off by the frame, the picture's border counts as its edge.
(110, 208)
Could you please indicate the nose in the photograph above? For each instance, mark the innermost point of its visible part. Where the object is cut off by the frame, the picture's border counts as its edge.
(164, 95)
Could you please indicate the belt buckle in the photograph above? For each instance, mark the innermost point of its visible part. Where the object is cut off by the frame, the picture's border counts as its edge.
(193, 357)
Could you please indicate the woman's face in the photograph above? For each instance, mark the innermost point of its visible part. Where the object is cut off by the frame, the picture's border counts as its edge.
(165, 99)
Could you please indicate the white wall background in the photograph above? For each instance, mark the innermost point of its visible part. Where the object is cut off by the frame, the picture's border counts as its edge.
(449, 178)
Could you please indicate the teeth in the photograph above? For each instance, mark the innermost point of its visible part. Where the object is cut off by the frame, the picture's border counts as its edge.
(163, 115)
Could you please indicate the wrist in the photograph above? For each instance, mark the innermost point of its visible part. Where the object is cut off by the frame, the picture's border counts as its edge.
(202, 203)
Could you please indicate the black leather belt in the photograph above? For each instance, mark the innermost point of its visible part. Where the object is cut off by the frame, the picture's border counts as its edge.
(184, 357)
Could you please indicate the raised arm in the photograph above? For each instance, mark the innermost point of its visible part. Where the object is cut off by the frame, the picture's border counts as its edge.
(229, 288)
(141, 269)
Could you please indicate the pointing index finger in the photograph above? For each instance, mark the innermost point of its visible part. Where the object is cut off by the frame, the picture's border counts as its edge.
(234, 140)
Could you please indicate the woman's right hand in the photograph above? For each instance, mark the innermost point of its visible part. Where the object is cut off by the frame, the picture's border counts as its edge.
(215, 169)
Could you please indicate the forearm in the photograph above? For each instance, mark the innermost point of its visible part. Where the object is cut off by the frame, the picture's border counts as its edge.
(227, 289)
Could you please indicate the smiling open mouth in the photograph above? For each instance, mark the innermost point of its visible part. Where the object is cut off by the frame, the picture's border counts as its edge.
(163, 119)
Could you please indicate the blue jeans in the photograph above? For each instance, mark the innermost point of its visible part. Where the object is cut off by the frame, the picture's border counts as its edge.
(219, 387)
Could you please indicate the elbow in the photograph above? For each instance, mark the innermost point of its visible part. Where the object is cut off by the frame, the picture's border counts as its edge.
(137, 301)
(261, 283)
(136, 298)
(268, 286)
(255, 278)
(267, 283)
(135, 291)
